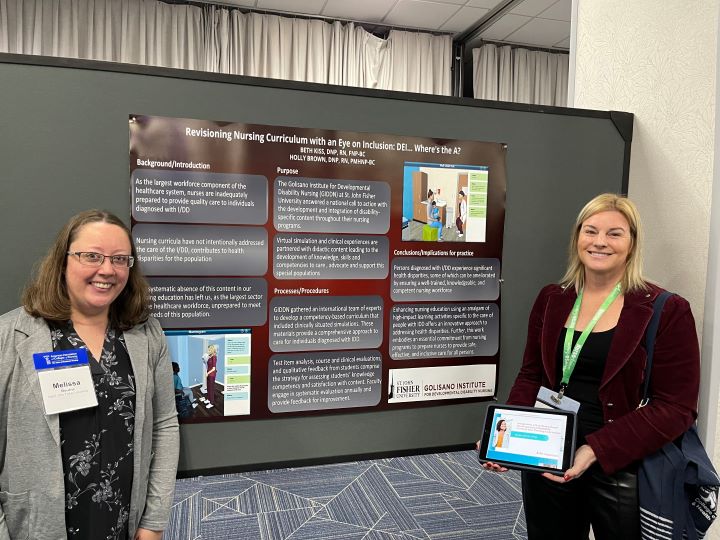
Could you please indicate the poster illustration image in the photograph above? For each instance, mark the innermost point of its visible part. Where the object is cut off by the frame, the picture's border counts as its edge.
(437, 198)
(211, 371)
(302, 270)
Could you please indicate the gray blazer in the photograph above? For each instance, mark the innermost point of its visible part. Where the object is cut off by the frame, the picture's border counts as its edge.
(32, 492)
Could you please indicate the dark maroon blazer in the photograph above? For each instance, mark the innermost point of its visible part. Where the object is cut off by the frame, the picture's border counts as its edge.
(629, 433)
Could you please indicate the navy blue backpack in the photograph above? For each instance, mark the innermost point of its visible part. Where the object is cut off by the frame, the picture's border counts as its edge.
(677, 485)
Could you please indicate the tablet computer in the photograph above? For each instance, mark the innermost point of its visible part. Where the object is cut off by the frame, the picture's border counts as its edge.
(528, 438)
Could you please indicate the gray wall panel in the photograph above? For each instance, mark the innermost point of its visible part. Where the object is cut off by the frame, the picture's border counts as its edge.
(64, 147)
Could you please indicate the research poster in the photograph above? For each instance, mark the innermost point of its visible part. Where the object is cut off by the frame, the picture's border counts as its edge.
(302, 271)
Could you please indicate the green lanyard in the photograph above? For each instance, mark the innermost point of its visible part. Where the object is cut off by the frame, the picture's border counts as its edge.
(570, 353)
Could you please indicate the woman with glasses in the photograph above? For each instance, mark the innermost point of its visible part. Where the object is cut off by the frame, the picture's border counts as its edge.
(105, 471)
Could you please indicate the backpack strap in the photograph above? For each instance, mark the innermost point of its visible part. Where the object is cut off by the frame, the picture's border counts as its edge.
(650, 334)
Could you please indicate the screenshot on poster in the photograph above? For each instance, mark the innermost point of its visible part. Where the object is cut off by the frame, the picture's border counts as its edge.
(211, 371)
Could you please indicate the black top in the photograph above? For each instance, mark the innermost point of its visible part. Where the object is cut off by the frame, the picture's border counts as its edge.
(97, 443)
(585, 380)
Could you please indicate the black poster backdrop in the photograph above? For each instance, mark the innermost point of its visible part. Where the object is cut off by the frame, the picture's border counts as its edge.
(303, 271)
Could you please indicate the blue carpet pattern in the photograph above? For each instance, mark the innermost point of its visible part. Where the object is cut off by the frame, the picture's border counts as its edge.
(437, 496)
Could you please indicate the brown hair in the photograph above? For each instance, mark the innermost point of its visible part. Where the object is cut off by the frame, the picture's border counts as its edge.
(633, 279)
(46, 294)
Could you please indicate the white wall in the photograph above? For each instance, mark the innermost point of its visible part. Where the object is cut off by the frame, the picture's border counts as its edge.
(658, 60)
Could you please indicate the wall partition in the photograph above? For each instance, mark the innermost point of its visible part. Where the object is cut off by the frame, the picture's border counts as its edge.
(357, 266)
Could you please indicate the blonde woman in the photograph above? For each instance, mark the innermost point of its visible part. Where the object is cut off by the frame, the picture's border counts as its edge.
(211, 374)
(586, 340)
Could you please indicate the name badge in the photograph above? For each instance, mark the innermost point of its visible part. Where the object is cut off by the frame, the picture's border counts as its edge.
(547, 399)
(65, 380)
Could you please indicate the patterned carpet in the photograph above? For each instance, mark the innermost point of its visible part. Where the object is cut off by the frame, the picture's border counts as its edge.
(437, 496)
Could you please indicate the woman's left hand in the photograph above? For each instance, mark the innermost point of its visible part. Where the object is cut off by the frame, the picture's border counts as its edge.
(147, 534)
(584, 457)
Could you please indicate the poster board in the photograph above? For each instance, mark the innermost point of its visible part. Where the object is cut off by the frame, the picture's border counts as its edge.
(334, 249)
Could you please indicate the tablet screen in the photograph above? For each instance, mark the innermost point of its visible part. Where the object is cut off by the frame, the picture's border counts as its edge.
(527, 437)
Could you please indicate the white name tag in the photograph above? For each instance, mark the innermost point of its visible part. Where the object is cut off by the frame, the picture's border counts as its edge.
(547, 399)
(65, 381)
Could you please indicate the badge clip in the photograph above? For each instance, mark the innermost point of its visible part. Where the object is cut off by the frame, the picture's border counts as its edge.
(558, 398)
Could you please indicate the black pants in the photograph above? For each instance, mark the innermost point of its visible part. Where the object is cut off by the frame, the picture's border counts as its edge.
(566, 511)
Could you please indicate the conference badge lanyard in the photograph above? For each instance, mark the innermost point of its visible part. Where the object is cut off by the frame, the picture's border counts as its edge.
(547, 397)
(65, 380)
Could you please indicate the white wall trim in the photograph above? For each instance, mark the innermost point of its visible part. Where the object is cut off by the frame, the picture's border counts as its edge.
(573, 48)
(710, 353)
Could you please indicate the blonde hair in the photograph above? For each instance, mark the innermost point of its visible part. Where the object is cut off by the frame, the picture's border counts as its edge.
(46, 294)
(632, 279)
(212, 348)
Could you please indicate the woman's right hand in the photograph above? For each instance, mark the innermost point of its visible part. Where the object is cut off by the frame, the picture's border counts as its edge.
(489, 466)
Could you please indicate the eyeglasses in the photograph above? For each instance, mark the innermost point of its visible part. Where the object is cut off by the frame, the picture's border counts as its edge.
(90, 258)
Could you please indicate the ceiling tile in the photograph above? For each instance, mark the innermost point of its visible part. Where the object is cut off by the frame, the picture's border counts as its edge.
(504, 26)
(420, 14)
(455, 2)
(564, 44)
(531, 8)
(464, 19)
(306, 7)
(484, 3)
(367, 10)
(541, 32)
(560, 11)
